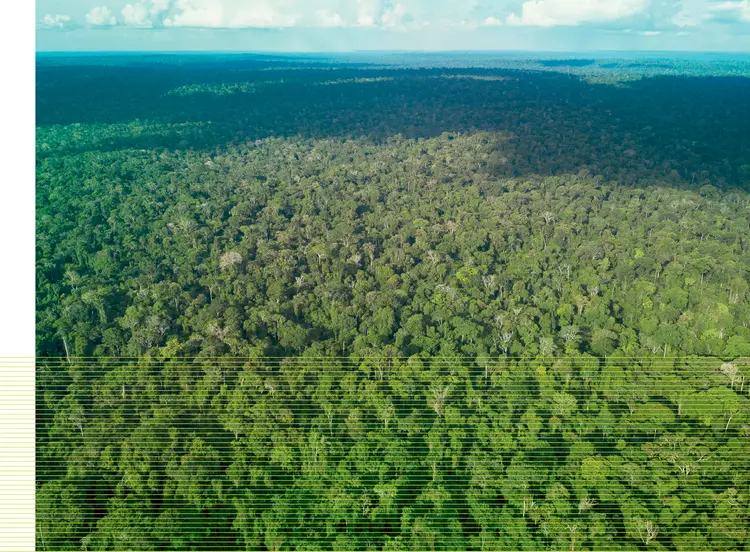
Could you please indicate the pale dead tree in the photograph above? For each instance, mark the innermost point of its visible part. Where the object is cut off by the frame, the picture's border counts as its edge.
(702, 456)
(437, 398)
(586, 503)
(544, 528)
(356, 258)
(570, 333)
(386, 413)
(546, 346)
(366, 504)
(548, 217)
(299, 281)
(433, 256)
(564, 269)
(185, 226)
(729, 421)
(370, 251)
(320, 253)
(593, 291)
(656, 348)
(229, 259)
(572, 529)
(451, 226)
(329, 412)
(67, 351)
(672, 441)
(94, 299)
(505, 338)
(731, 371)
(346, 240)
(77, 417)
(217, 331)
(449, 291)
(73, 278)
(731, 498)
(631, 473)
(488, 281)
(156, 327)
(580, 302)
(387, 493)
(685, 468)
(735, 293)
(517, 311)
(317, 446)
(499, 321)
(647, 530)
(529, 504)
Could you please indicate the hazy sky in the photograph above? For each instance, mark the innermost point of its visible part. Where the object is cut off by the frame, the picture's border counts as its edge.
(345, 25)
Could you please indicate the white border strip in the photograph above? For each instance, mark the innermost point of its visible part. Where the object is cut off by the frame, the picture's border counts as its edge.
(17, 275)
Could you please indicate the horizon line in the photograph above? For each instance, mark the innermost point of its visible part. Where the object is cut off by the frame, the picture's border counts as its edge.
(388, 51)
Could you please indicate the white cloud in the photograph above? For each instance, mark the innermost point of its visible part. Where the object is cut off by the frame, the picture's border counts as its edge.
(101, 17)
(385, 14)
(394, 17)
(739, 11)
(692, 13)
(491, 22)
(550, 13)
(157, 6)
(136, 15)
(218, 14)
(651, 33)
(368, 12)
(411, 14)
(144, 12)
(327, 18)
(696, 12)
(54, 21)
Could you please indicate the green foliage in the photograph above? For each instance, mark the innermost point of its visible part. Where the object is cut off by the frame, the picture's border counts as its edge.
(341, 308)
(333, 453)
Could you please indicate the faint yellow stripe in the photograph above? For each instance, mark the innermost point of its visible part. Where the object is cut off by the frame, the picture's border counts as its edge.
(17, 465)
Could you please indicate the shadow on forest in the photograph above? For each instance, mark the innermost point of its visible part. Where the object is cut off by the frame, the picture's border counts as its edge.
(560, 123)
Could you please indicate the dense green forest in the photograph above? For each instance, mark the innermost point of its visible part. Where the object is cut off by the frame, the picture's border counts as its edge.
(304, 304)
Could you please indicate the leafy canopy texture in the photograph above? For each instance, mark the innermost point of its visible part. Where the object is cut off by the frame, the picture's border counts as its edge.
(288, 306)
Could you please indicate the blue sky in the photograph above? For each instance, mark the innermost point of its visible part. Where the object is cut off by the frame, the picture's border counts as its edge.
(346, 25)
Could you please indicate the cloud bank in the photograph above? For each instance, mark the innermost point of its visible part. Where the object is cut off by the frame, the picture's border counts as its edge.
(50, 21)
(401, 14)
(100, 16)
(429, 23)
(551, 13)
